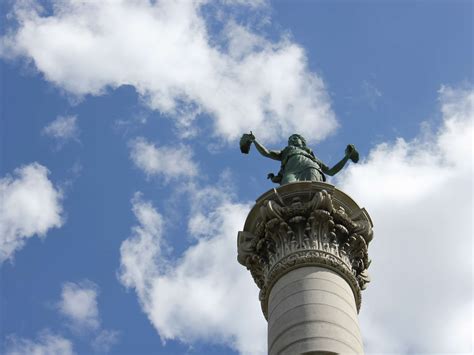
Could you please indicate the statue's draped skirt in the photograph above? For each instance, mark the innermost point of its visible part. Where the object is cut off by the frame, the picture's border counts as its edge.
(301, 168)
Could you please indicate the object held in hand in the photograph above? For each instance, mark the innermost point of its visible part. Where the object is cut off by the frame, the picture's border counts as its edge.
(246, 142)
(352, 153)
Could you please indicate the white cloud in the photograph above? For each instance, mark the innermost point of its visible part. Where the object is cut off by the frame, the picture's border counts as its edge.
(140, 253)
(370, 94)
(165, 49)
(206, 294)
(419, 195)
(46, 344)
(79, 305)
(63, 128)
(105, 340)
(29, 205)
(167, 162)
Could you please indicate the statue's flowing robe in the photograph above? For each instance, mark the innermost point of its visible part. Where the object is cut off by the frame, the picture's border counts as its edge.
(300, 165)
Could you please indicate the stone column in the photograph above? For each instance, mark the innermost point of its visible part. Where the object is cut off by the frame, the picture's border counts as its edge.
(305, 245)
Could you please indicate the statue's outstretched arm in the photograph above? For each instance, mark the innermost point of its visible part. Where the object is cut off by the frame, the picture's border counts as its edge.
(336, 168)
(272, 154)
(351, 153)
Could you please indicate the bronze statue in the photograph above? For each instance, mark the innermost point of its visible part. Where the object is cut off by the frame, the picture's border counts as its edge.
(298, 162)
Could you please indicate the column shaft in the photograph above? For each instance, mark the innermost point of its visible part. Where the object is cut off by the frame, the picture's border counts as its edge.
(311, 310)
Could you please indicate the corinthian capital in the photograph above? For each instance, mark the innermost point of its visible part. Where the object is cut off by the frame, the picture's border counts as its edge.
(303, 224)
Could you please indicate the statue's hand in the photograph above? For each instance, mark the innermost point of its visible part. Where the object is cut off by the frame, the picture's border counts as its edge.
(349, 150)
(251, 137)
(246, 141)
(352, 153)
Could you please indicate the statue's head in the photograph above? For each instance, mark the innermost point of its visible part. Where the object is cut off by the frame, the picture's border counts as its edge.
(297, 141)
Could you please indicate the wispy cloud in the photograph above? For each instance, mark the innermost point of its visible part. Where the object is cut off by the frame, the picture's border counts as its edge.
(141, 251)
(238, 78)
(47, 343)
(79, 306)
(29, 205)
(166, 162)
(63, 129)
(105, 340)
(370, 94)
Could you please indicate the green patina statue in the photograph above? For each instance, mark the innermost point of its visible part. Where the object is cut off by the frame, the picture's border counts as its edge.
(298, 162)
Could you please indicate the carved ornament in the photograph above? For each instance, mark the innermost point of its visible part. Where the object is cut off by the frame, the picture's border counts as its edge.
(302, 224)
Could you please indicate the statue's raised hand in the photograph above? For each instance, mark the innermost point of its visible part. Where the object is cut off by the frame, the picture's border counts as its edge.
(251, 136)
(246, 142)
(352, 153)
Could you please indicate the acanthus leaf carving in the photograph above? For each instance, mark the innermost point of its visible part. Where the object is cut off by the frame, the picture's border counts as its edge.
(306, 228)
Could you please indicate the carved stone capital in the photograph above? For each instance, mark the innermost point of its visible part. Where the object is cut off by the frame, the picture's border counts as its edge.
(301, 224)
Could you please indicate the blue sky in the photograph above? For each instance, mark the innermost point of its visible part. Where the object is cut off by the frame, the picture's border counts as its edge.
(122, 186)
